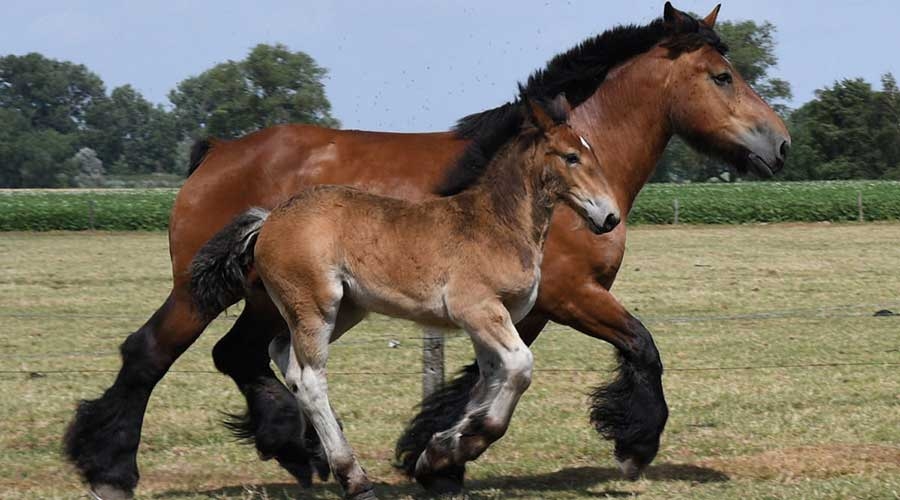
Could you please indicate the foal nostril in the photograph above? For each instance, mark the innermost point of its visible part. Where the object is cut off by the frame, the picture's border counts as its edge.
(784, 150)
(612, 220)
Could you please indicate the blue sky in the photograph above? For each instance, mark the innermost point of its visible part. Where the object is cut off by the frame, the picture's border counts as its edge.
(409, 65)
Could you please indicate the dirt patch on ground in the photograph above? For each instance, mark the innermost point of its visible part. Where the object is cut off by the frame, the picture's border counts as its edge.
(810, 462)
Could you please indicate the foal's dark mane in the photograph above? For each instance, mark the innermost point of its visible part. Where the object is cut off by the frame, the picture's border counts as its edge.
(577, 73)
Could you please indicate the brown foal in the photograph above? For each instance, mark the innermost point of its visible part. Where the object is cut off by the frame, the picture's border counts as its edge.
(471, 261)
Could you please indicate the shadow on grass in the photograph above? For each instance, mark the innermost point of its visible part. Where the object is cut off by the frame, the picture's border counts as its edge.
(578, 479)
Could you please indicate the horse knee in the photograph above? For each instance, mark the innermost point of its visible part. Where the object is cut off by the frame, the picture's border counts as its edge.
(642, 350)
(519, 365)
(494, 428)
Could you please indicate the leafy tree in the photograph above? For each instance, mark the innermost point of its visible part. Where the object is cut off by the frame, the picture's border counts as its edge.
(49, 94)
(752, 53)
(849, 131)
(131, 134)
(38, 159)
(89, 167)
(272, 85)
(12, 126)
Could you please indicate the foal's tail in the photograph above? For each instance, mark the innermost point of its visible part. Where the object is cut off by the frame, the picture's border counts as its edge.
(219, 270)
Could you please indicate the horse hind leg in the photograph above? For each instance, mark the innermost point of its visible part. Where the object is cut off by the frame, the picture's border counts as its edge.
(505, 365)
(102, 440)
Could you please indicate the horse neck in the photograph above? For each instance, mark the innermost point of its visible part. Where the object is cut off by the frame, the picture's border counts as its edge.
(627, 121)
(515, 191)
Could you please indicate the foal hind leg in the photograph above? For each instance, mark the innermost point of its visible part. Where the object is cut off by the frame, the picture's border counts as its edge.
(102, 440)
(505, 366)
(273, 420)
(302, 360)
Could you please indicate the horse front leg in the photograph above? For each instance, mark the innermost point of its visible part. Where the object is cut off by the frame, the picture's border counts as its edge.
(505, 367)
(631, 409)
(445, 407)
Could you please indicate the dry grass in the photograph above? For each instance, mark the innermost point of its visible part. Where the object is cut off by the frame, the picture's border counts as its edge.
(68, 299)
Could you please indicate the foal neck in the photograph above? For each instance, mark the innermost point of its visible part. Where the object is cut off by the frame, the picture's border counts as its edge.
(517, 192)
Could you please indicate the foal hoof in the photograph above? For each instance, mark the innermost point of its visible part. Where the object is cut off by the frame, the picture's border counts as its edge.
(447, 481)
(109, 492)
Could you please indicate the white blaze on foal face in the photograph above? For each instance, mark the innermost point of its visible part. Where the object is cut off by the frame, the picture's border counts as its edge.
(584, 142)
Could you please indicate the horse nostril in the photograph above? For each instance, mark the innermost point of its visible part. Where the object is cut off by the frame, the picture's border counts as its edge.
(612, 220)
(784, 150)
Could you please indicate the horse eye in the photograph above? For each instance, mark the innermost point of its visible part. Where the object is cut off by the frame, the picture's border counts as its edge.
(723, 79)
(572, 159)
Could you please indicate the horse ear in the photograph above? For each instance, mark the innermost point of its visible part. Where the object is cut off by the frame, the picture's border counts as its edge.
(673, 16)
(539, 116)
(710, 19)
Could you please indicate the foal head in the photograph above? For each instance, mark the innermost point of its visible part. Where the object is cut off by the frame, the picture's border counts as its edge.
(713, 108)
(570, 166)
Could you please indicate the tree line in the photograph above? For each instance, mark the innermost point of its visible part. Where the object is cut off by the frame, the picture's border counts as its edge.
(59, 127)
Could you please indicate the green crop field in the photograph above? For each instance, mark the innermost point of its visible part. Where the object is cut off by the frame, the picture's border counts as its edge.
(780, 381)
(747, 202)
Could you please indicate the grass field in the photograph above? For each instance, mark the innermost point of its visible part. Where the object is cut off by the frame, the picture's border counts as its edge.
(747, 318)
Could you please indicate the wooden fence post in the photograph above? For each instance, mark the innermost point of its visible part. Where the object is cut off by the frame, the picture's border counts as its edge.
(675, 206)
(859, 206)
(432, 360)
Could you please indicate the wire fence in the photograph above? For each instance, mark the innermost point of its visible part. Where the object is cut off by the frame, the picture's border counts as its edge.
(408, 337)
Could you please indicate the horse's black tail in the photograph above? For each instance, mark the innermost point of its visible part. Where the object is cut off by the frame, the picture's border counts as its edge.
(218, 271)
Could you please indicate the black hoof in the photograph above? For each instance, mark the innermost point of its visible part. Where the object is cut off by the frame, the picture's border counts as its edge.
(368, 494)
(447, 481)
(635, 457)
(630, 469)
(322, 468)
(302, 472)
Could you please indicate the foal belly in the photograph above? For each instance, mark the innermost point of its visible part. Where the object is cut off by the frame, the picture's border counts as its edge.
(422, 305)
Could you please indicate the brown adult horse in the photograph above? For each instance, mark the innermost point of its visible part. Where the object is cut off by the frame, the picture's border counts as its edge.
(632, 88)
(331, 254)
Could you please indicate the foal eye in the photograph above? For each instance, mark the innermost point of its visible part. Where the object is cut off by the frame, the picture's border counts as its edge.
(572, 159)
(723, 79)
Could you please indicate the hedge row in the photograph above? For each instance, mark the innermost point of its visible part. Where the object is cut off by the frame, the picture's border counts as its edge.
(148, 209)
(77, 210)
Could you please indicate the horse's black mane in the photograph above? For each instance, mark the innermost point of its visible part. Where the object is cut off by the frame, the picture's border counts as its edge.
(576, 73)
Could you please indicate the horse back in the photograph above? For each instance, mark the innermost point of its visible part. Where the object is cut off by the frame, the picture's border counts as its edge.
(267, 167)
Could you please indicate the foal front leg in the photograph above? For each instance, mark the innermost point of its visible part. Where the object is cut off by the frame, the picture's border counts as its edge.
(505, 365)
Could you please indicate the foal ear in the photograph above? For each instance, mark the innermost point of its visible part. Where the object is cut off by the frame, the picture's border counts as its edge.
(539, 116)
(710, 19)
(561, 108)
(673, 16)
